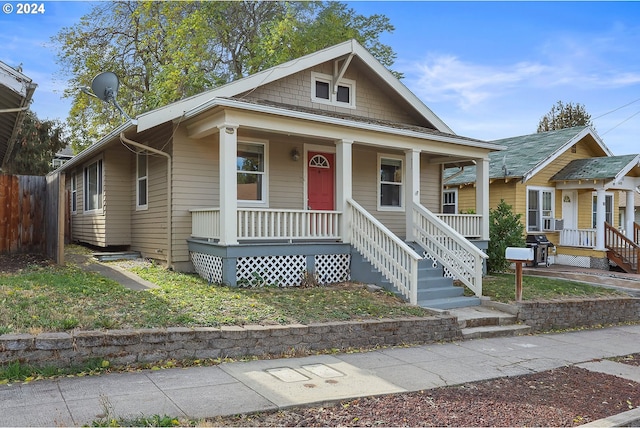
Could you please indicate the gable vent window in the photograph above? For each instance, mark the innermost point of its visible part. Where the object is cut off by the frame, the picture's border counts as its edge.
(323, 91)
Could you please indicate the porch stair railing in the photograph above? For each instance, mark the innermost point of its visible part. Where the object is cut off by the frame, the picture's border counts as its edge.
(621, 250)
(458, 256)
(636, 233)
(397, 262)
(468, 225)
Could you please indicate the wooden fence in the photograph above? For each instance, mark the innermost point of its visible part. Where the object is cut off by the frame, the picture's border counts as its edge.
(30, 215)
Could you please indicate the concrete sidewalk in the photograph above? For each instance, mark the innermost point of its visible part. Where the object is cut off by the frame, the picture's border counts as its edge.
(242, 387)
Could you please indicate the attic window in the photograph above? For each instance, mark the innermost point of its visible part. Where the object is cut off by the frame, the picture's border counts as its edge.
(323, 91)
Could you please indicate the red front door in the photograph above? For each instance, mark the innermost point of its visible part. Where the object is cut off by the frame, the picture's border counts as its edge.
(320, 173)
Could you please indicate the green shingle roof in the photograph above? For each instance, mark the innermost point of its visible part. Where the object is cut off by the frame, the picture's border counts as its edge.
(604, 168)
(522, 155)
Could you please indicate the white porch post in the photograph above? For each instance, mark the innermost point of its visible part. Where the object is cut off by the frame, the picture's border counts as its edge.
(600, 218)
(629, 216)
(228, 184)
(412, 188)
(482, 196)
(344, 180)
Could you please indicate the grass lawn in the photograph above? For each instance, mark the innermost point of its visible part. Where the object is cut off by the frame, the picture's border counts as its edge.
(40, 299)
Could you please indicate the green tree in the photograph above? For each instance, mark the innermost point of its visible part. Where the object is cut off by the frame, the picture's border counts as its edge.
(563, 116)
(505, 230)
(166, 51)
(34, 147)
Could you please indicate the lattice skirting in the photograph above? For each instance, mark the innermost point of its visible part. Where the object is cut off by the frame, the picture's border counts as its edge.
(569, 260)
(283, 271)
(332, 268)
(207, 266)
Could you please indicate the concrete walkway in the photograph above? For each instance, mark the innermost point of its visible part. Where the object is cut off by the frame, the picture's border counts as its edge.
(242, 387)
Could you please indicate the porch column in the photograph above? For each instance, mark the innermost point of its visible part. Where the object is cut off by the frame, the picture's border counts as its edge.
(600, 218)
(344, 167)
(482, 196)
(228, 184)
(412, 188)
(629, 215)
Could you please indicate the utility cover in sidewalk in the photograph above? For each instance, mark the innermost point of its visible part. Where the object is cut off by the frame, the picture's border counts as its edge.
(322, 371)
(287, 374)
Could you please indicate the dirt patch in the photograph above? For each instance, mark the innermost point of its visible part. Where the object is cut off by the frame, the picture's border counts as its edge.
(12, 263)
(567, 396)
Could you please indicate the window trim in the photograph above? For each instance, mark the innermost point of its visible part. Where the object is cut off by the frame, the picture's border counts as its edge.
(401, 184)
(541, 191)
(145, 178)
(264, 202)
(74, 193)
(333, 97)
(100, 187)
(607, 196)
(454, 192)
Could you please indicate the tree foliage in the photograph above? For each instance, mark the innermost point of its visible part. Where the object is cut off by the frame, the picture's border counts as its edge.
(166, 51)
(505, 230)
(563, 116)
(34, 147)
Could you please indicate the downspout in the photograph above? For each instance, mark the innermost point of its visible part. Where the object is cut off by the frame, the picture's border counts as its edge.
(169, 187)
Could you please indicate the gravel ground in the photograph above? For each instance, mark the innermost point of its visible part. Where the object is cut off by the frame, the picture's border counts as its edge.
(567, 396)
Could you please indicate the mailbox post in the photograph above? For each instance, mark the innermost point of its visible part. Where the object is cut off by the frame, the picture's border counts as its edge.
(518, 256)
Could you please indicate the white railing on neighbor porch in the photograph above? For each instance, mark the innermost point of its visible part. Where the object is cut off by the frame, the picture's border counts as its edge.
(462, 259)
(467, 225)
(384, 250)
(585, 238)
(257, 223)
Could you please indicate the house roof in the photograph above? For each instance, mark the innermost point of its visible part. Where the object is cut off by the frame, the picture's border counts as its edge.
(602, 168)
(16, 91)
(525, 155)
(348, 49)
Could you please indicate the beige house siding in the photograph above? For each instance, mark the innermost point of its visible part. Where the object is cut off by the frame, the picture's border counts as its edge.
(430, 187)
(371, 101)
(286, 176)
(87, 227)
(117, 163)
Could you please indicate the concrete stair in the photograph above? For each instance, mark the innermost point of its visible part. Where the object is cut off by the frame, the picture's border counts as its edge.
(484, 322)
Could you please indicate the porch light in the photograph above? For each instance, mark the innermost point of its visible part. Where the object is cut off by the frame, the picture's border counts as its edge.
(295, 154)
(229, 130)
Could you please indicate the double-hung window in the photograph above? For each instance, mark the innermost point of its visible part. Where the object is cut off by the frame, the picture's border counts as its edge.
(251, 165)
(93, 186)
(608, 209)
(450, 201)
(390, 185)
(540, 203)
(142, 186)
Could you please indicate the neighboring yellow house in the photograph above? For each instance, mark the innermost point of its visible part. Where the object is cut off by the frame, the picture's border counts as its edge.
(565, 184)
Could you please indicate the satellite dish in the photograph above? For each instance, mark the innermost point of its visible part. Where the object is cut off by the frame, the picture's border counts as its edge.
(105, 86)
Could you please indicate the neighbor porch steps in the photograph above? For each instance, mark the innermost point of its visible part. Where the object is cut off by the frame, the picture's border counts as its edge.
(484, 322)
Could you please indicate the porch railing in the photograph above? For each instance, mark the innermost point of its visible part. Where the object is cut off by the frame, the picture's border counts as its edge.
(636, 233)
(462, 259)
(383, 249)
(623, 251)
(468, 225)
(585, 238)
(288, 224)
(256, 223)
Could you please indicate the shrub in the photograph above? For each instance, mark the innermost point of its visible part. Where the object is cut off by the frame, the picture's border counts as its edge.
(505, 230)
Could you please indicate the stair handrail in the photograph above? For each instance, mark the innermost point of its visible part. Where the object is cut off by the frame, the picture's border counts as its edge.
(621, 246)
(636, 232)
(396, 260)
(462, 259)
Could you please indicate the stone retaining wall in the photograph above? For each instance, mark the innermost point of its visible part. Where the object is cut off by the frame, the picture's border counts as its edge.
(153, 345)
(573, 313)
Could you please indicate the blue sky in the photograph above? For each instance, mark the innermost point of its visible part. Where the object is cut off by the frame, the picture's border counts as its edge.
(490, 70)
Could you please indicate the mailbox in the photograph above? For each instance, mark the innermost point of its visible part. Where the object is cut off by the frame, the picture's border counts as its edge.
(516, 254)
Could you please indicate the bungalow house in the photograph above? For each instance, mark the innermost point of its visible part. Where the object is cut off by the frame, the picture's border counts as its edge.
(565, 184)
(323, 168)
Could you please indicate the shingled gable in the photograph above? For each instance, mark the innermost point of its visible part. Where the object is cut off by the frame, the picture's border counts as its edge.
(526, 155)
(347, 50)
(608, 169)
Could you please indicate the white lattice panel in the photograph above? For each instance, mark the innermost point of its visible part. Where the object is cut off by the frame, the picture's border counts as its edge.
(578, 261)
(332, 268)
(207, 266)
(271, 270)
(462, 256)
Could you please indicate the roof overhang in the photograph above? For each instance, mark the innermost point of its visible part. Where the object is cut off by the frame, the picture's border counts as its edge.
(16, 91)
